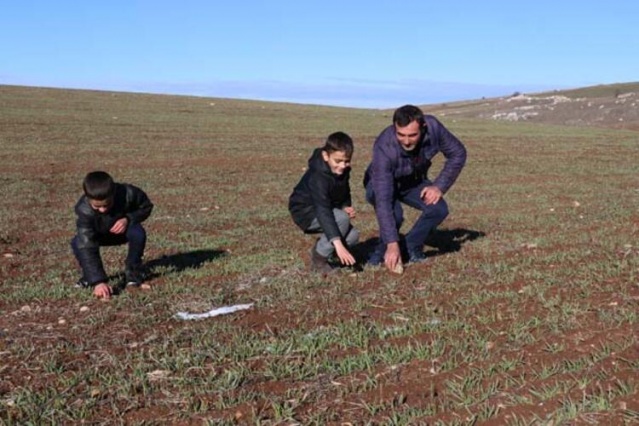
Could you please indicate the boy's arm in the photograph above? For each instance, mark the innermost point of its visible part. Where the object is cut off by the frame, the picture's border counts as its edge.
(139, 204)
(319, 189)
(89, 250)
(349, 201)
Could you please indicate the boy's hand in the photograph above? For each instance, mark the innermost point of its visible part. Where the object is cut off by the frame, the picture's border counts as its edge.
(350, 211)
(102, 291)
(342, 252)
(119, 227)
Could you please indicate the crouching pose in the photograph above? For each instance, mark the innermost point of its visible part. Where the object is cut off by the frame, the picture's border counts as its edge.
(398, 174)
(109, 214)
(321, 203)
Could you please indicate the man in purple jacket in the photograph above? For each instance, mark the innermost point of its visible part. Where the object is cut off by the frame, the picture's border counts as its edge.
(398, 174)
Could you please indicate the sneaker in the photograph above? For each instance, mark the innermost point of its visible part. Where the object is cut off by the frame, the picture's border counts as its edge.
(376, 258)
(333, 260)
(416, 256)
(320, 263)
(82, 283)
(133, 278)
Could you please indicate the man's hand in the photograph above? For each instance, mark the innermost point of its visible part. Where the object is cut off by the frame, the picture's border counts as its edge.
(102, 291)
(392, 256)
(119, 227)
(431, 195)
(350, 211)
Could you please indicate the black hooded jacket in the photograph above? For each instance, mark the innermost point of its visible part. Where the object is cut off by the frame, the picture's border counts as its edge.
(317, 194)
(128, 201)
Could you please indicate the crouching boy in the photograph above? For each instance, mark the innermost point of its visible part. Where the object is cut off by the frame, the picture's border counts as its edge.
(109, 214)
(321, 203)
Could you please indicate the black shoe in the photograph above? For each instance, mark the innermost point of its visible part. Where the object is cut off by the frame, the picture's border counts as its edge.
(82, 283)
(133, 277)
(376, 258)
(416, 256)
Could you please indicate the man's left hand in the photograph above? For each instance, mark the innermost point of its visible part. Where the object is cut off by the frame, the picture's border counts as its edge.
(431, 195)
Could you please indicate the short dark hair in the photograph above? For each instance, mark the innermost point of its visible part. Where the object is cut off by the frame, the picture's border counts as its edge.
(98, 185)
(339, 141)
(406, 114)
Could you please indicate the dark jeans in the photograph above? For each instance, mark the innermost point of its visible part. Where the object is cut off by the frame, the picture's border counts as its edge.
(135, 236)
(432, 215)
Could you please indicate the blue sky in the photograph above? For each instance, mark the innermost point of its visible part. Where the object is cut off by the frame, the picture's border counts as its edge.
(375, 53)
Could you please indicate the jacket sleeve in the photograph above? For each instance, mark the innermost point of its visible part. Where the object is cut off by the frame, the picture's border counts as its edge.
(382, 179)
(349, 201)
(139, 206)
(88, 249)
(320, 189)
(455, 154)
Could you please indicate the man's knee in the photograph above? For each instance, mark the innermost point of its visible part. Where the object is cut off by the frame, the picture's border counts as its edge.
(440, 210)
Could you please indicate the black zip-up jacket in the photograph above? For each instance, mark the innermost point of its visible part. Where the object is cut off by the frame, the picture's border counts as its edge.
(317, 194)
(128, 201)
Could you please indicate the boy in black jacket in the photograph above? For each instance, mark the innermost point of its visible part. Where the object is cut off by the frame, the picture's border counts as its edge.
(109, 214)
(321, 202)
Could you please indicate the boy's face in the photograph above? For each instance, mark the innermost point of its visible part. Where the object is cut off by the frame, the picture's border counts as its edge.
(338, 161)
(101, 206)
(408, 136)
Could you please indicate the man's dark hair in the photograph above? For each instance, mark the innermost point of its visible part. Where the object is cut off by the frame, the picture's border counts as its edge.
(339, 141)
(98, 186)
(406, 114)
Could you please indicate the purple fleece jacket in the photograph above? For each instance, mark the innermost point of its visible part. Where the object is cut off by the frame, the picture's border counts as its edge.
(392, 168)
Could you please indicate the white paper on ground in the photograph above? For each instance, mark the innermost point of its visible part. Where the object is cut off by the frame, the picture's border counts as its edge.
(214, 312)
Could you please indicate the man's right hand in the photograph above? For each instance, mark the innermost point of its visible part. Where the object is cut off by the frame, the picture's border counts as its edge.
(392, 256)
(102, 291)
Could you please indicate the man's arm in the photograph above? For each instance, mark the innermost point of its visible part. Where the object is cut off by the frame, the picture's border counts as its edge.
(383, 183)
(453, 150)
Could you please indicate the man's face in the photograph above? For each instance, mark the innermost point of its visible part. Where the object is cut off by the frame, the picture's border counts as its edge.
(101, 206)
(338, 161)
(408, 136)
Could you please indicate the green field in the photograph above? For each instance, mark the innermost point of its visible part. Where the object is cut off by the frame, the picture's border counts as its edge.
(526, 313)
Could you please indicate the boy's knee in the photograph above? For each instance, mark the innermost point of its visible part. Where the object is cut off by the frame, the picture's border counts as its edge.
(352, 237)
(342, 219)
(136, 232)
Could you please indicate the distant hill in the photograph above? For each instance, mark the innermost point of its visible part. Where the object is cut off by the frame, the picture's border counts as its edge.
(612, 106)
